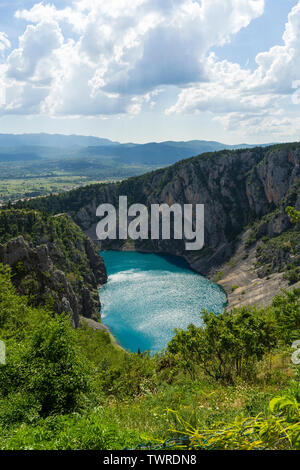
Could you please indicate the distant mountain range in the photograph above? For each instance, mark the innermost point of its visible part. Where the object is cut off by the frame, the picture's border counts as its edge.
(58, 147)
(52, 140)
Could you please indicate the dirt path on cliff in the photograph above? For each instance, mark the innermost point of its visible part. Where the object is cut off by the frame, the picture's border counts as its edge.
(241, 282)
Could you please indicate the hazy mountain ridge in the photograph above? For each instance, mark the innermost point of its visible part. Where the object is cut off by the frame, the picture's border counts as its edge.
(62, 147)
(51, 140)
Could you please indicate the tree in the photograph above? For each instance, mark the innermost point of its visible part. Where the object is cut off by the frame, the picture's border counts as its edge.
(227, 346)
(293, 214)
(47, 369)
(286, 310)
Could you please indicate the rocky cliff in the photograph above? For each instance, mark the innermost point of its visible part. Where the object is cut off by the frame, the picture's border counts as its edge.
(53, 263)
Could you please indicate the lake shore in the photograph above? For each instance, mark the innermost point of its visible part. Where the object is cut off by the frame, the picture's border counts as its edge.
(96, 326)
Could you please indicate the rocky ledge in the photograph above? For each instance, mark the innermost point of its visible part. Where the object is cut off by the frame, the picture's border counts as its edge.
(62, 273)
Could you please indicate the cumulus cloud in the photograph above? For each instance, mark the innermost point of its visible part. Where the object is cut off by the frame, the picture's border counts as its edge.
(24, 98)
(31, 68)
(239, 98)
(171, 41)
(4, 42)
(106, 57)
(31, 60)
(279, 66)
(120, 52)
(41, 12)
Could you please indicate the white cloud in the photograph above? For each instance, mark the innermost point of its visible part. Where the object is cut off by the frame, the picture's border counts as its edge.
(4, 42)
(239, 98)
(31, 60)
(278, 67)
(172, 47)
(31, 68)
(42, 12)
(122, 52)
(24, 98)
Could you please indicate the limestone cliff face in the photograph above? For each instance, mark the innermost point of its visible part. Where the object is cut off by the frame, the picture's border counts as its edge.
(51, 282)
(63, 274)
(235, 187)
(271, 180)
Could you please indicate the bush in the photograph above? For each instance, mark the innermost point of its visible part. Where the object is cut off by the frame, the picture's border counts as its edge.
(292, 275)
(70, 432)
(286, 311)
(227, 347)
(46, 369)
(279, 429)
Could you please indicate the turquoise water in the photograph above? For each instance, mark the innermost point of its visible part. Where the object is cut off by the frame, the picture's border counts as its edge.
(147, 296)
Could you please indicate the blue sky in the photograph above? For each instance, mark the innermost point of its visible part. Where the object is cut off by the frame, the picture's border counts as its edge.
(152, 70)
(261, 34)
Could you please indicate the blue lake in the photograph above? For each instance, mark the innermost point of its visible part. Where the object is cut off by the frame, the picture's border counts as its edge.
(147, 296)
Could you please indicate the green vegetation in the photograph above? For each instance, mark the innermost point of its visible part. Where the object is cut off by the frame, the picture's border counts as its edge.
(44, 230)
(57, 262)
(227, 346)
(279, 253)
(218, 276)
(14, 189)
(30, 179)
(293, 214)
(65, 388)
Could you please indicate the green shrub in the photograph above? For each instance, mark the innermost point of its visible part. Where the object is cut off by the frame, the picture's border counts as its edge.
(286, 312)
(227, 347)
(292, 275)
(47, 369)
(70, 432)
(278, 429)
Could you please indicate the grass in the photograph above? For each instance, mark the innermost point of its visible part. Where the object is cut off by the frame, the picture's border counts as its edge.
(32, 179)
(113, 424)
(218, 276)
(15, 189)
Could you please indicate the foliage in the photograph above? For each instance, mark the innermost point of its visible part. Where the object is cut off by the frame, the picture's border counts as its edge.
(47, 369)
(280, 429)
(16, 317)
(280, 254)
(227, 346)
(66, 432)
(286, 310)
(69, 250)
(293, 214)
